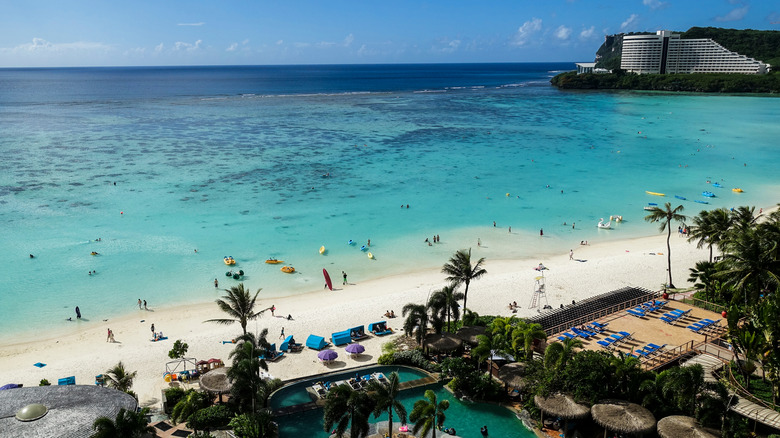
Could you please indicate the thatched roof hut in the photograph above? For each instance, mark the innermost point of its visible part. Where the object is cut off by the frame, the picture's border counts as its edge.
(622, 416)
(512, 374)
(443, 342)
(469, 333)
(562, 405)
(216, 381)
(680, 426)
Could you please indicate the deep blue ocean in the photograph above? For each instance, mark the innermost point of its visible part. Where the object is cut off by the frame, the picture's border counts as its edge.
(258, 162)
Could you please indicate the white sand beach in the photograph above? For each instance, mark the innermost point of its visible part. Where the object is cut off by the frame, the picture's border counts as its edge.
(596, 269)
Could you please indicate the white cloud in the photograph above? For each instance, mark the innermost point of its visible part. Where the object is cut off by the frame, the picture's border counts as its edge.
(562, 32)
(348, 40)
(232, 47)
(735, 15)
(159, 48)
(280, 42)
(655, 4)
(449, 46)
(187, 46)
(587, 33)
(40, 45)
(245, 42)
(191, 24)
(630, 21)
(526, 31)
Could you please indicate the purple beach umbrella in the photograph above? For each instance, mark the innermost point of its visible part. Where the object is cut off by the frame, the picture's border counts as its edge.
(10, 386)
(355, 349)
(327, 355)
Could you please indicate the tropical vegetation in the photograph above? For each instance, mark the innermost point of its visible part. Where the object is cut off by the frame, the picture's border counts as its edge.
(239, 305)
(665, 216)
(127, 424)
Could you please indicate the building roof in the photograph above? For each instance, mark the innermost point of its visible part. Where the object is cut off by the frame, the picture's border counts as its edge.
(72, 409)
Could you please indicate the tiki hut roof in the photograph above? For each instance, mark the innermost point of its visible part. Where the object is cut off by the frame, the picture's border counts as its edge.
(71, 409)
(680, 426)
(442, 342)
(562, 405)
(512, 374)
(216, 381)
(623, 416)
(469, 333)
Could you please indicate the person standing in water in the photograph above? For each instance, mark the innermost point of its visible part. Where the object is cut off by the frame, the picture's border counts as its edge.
(344, 274)
(78, 313)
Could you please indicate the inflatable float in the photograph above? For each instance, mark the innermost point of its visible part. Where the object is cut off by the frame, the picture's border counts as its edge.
(287, 269)
(229, 260)
(274, 261)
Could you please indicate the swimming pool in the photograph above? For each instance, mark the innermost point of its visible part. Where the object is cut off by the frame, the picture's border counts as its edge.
(295, 393)
(465, 417)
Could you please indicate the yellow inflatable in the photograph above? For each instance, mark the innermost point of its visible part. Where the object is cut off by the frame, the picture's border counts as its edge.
(288, 269)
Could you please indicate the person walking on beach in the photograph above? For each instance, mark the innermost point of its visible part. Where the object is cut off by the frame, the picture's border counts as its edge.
(281, 335)
(145, 305)
(139, 304)
(108, 335)
(541, 231)
(273, 309)
(571, 254)
(152, 329)
(344, 274)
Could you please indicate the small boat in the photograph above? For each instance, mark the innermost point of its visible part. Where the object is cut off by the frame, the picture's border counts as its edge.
(708, 194)
(616, 218)
(737, 190)
(287, 269)
(654, 193)
(681, 197)
(604, 226)
(229, 260)
(700, 201)
(649, 208)
(371, 256)
(274, 261)
(652, 204)
(716, 185)
(322, 249)
(351, 242)
(364, 248)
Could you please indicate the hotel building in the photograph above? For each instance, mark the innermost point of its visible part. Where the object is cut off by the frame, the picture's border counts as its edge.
(666, 52)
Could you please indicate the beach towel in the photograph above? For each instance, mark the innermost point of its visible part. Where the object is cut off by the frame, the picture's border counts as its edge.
(39, 365)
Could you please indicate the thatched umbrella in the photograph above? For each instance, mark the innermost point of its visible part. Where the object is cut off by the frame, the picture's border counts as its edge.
(561, 405)
(216, 381)
(469, 333)
(623, 416)
(442, 342)
(512, 374)
(680, 426)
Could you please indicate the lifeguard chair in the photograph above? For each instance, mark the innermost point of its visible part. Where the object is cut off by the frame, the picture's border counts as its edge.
(540, 291)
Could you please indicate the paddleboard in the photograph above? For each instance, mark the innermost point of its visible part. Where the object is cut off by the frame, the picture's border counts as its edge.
(322, 249)
(680, 197)
(654, 193)
(327, 279)
(371, 256)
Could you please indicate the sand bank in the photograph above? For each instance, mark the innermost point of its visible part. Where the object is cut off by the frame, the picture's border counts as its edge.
(596, 269)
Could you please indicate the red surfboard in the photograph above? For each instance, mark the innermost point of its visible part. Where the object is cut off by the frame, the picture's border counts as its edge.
(327, 279)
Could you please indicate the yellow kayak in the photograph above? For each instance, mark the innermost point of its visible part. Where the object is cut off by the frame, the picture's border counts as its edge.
(737, 190)
(654, 193)
(322, 249)
(274, 261)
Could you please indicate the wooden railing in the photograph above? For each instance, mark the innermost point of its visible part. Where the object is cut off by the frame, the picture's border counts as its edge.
(669, 355)
(601, 313)
(696, 302)
(736, 386)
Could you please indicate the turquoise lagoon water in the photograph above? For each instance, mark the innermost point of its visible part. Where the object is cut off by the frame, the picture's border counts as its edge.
(465, 417)
(230, 161)
(295, 393)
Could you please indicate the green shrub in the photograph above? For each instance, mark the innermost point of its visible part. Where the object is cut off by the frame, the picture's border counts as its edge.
(385, 359)
(44, 382)
(212, 417)
(179, 349)
(173, 395)
(415, 358)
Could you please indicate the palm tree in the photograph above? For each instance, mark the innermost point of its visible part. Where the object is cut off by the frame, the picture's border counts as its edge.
(417, 319)
(444, 302)
(244, 373)
(558, 353)
(665, 216)
(386, 399)
(460, 270)
(624, 368)
(428, 415)
(525, 335)
(345, 407)
(486, 345)
(119, 378)
(703, 276)
(191, 402)
(239, 305)
(751, 263)
(128, 424)
(710, 227)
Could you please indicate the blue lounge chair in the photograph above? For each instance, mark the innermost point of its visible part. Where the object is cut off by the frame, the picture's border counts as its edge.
(569, 335)
(668, 319)
(341, 338)
(358, 333)
(636, 312)
(696, 327)
(599, 325)
(606, 343)
(584, 333)
(379, 328)
(627, 335)
(272, 354)
(617, 337)
(67, 381)
(656, 347)
(316, 342)
(642, 353)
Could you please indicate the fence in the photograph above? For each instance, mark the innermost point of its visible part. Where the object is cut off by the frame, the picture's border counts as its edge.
(696, 302)
(744, 392)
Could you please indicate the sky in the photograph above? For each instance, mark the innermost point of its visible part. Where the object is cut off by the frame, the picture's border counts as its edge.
(56, 33)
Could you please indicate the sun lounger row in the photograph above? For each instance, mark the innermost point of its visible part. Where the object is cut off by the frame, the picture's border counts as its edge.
(584, 331)
(645, 308)
(674, 315)
(704, 325)
(649, 350)
(614, 339)
(272, 354)
(356, 383)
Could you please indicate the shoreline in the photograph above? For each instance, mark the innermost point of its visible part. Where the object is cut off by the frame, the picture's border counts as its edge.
(597, 269)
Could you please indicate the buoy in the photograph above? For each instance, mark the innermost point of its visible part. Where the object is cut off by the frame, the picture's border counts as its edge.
(724, 313)
(507, 194)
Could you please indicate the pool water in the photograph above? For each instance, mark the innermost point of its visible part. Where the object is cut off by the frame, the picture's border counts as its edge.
(295, 394)
(465, 417)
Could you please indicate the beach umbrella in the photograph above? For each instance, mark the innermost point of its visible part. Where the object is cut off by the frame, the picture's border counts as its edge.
(327, 355)
(512, 374)
(469, 333)
(442, 342)
(561, 405)
(680, 426)
(10, 386)
(622, 416)
(355, 349)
